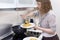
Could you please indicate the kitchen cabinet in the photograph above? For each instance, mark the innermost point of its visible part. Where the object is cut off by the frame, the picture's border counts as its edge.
(17, 3)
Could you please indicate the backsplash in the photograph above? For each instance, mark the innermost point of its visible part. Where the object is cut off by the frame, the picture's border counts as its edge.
(10, 17)
(13, 16)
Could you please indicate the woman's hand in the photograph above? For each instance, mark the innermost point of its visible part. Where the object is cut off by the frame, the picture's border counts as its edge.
(23, 16)
(36, 27)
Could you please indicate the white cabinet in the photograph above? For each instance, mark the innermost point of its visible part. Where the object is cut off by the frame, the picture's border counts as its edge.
(7, 4)
(17, 3)
(6, 1)
(26, 3)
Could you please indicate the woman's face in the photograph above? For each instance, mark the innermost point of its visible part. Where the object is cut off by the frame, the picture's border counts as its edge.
(39, 5)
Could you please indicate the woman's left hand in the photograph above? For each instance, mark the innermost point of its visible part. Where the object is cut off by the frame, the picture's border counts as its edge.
(36, 27)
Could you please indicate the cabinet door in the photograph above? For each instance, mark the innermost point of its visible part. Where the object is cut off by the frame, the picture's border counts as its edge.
(17, 3)
(26, 3)
(7, 4)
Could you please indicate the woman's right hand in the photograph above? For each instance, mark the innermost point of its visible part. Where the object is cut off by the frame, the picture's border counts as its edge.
(23, 16)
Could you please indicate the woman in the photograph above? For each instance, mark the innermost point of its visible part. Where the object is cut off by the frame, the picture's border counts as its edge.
(47, 20)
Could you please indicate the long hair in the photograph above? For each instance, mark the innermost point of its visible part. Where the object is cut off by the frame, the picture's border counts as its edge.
(45, 5)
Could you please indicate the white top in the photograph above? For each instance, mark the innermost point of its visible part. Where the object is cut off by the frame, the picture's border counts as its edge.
(47, 21)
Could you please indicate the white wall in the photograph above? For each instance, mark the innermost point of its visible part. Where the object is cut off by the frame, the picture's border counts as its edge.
(10, 17)
(56, 8)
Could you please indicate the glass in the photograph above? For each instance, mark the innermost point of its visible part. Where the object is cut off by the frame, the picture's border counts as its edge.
(26, 21)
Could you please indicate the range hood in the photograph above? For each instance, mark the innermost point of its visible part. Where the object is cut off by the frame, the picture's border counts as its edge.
(7, 4)
(17, 3)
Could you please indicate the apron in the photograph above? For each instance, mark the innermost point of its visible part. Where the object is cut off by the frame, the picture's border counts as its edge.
(51, 38)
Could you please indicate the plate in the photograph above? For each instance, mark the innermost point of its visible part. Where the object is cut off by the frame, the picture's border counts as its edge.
(40, 31)
(32, 25)
(31, 38)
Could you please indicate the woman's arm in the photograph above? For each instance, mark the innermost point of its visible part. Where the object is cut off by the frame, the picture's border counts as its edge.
(29, 13)
(26, 15)
(45, 30)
